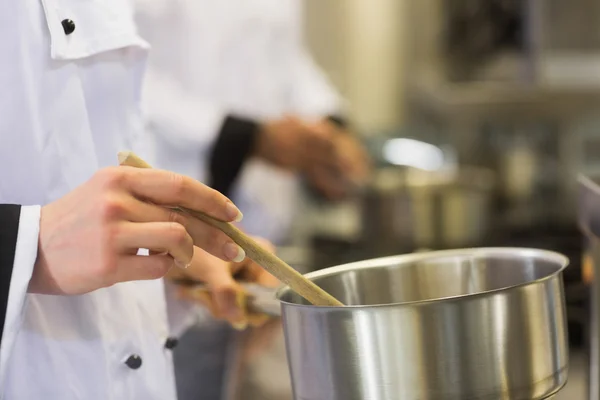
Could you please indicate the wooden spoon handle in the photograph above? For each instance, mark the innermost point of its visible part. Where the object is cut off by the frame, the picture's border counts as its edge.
(269, 261)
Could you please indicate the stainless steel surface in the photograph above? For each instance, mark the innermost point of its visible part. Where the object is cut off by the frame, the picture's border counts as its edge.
(550, 78)
(525, 156)
(260, 298)
(589, 222)
(437, 209)
(265, 376)
(462, 324)
(465, 112)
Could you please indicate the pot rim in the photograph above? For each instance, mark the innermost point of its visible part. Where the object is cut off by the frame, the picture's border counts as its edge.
(547, 255)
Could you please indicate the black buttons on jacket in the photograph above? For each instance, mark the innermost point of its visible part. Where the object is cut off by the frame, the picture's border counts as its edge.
(171, 343)
(68, 26)
(134, 361)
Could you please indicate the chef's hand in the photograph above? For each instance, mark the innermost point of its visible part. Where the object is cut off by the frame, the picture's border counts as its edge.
(224, 297)
(334, 162)
(292, 144)
(89, 238)
(351, 164)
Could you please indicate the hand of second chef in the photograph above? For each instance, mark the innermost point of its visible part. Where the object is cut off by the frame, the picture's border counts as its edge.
(225, 297)
(294, 145)
(89, 239)
(331, 158)
(349, 167)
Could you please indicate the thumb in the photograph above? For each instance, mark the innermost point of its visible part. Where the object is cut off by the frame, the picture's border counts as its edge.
(228, 295)
(231, 303)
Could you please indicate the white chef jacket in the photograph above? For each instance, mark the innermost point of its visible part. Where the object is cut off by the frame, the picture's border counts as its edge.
(68, 104)
(244, 58)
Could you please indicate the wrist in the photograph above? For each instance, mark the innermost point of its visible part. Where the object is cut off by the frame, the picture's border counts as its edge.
(42, 280)
(262, 143)
(338, 121)
(235, 143)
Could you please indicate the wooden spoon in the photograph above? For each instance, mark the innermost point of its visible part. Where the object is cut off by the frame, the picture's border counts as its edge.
(277, 267)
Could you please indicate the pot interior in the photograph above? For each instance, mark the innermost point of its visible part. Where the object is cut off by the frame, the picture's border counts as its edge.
(432, 276)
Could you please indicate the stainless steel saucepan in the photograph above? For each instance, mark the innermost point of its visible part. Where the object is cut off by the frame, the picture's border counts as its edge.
(435, 209)
(450, 325)
(476, 324)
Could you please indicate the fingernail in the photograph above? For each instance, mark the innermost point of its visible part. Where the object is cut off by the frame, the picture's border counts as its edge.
(233, 212)
(234, 252)
(181, 264)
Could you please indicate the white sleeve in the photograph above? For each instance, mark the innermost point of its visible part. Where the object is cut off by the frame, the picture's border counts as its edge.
(24, 260)
(174, 112)
(181, 119)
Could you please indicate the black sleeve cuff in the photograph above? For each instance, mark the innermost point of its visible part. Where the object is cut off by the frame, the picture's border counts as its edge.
(338, 120)
(233, 147)
(9, 229)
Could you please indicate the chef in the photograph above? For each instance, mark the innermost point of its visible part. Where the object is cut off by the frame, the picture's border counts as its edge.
(82, 313)
(234, 99)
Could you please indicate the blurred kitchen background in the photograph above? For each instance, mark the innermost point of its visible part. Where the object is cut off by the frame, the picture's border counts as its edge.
(478, 114)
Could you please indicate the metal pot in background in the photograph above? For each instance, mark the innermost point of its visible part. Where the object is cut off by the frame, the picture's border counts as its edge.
(451, 325)
(589, 223)
(527, 159)
(427, 209)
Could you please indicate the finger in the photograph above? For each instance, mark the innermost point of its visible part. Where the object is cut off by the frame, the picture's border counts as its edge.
(265, 278)
(249, 271)
(169, 237)
(207, 299)
(257, 320)
(231, 302)
(320, 148)
(204, 236)
(353, 158)
(168, 188)
(137, 210)
(237, 268)
(333, 188)
(227, 294)
(176, 274)
(135, 268)
(317, 142)
(346, 156)
(229, 298)
(214, 241)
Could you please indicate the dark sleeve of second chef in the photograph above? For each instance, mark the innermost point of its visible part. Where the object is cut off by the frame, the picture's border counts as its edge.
(233, 147)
